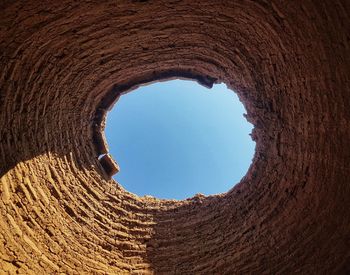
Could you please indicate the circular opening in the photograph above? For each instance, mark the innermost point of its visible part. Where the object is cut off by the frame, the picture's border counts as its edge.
(175, 139)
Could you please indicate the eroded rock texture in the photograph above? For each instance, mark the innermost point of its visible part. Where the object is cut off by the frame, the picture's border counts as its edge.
(63, 63)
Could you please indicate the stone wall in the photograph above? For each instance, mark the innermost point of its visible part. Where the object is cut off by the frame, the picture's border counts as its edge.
(64, 63)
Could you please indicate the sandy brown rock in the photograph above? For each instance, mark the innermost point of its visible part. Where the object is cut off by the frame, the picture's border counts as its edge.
(109, 165)
(64, 63)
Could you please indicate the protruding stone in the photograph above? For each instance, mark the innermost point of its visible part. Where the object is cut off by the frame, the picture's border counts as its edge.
(110, 166)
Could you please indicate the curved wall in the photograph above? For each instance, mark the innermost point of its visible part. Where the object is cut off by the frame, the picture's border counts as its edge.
(63, 64)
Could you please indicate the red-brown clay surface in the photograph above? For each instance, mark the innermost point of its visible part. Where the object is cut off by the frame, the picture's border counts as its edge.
(63, 63)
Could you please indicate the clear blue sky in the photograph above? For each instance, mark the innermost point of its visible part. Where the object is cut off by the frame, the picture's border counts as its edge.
(175, 139)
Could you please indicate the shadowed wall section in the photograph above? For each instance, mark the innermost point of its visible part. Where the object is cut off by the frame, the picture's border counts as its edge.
(62, 66)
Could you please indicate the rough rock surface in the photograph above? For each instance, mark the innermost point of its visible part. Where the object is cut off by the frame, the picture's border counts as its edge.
(64, 63)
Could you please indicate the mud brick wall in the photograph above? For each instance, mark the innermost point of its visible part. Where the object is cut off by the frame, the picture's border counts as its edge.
(63, 64)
